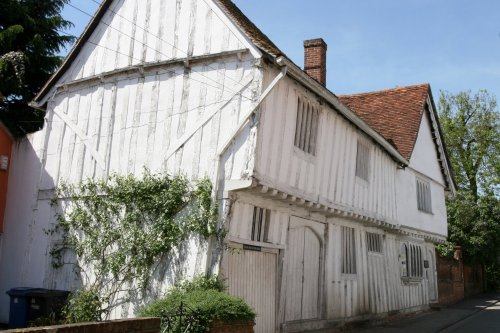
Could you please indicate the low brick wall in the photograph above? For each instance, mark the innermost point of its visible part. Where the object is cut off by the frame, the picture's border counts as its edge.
(136, 325)
(238, 327)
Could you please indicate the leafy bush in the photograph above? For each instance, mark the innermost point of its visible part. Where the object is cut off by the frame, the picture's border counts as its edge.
(200, 283)
(204, 299)
(493, 277)
(446, 249)
(83, 306)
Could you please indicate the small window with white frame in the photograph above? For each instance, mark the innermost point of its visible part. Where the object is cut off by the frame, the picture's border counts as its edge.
(374, 242)
(362, 161)
(424, 202)
(306, 126)
(260, 224)
(348, 250)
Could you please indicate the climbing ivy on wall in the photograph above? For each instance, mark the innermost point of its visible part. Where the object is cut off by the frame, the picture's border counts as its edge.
(119, 229)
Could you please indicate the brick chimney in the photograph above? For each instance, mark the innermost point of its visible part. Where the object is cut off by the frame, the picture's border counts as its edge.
(315, 59)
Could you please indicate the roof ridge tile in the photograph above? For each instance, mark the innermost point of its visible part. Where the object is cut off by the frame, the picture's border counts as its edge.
(395, 89)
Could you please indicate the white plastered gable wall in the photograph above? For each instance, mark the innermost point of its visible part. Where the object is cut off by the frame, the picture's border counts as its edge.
(173, 117)
(424, 158)
(424, 165)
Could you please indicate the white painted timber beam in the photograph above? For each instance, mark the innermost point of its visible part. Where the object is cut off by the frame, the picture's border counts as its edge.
(247, 116)
(85, 139)
(137, 71)
(184, 138)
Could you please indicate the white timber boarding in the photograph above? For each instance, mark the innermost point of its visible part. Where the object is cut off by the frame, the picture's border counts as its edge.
(163, 85)
(175, 86)
(348, 245)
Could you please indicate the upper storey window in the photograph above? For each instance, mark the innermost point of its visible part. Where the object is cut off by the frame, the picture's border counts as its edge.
(306, 126)
(362, 161)
(424, 202)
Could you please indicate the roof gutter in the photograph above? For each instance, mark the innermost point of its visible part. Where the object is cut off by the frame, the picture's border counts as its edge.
(299, 75)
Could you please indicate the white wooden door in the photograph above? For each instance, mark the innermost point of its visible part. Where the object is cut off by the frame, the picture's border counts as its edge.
(303, 259)
(251, 275)
(431, 276)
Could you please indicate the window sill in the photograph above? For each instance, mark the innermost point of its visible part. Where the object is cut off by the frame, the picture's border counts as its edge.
(411, 280)
(349, 276)
(362, 182)
(304, 155)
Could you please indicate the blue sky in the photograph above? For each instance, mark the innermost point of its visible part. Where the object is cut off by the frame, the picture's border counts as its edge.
(452, 44)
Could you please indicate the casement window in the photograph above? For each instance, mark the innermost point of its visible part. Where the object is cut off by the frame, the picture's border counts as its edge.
(424, 202)
(403, 260)
(306, 126)
(362, 161)
(374, 242)
(411, 261)
(348, 251)
(260, 224)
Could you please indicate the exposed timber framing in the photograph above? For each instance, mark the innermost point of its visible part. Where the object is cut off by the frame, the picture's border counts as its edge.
(144, 69)
(330, 210)
(299, 75)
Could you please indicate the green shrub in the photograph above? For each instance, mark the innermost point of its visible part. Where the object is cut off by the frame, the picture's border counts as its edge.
(203, 297)
(201, 283)
(83, 306)
(493, 277)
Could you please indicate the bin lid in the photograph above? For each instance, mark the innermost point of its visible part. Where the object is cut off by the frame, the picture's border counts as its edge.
(36, 292)
(40, 292)
(20, 291)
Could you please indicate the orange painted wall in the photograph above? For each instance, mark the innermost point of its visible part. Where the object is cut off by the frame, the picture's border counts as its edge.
(5, 149)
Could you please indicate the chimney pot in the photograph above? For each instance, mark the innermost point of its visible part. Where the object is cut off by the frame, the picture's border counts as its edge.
(315, 59)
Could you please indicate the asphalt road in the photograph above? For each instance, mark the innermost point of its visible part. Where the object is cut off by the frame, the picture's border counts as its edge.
(480, 314)
(485, 321)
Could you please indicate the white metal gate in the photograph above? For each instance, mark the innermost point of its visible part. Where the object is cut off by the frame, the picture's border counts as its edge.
(252, 276)
(303, 269)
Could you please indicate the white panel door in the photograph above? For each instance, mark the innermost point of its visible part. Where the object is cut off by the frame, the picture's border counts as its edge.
(303, 269)
(431, 276)
(251, 275)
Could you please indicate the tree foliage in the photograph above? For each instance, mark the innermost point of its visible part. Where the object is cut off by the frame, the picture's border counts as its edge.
(471, 128)
(475, 226)
(471, 125)
(30, 39)
(120, 229)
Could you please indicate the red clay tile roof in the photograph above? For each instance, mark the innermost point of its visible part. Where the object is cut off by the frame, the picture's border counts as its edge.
(394, 113)
(250, 29)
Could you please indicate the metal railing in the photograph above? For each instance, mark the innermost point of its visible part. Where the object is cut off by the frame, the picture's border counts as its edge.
(183, 320)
